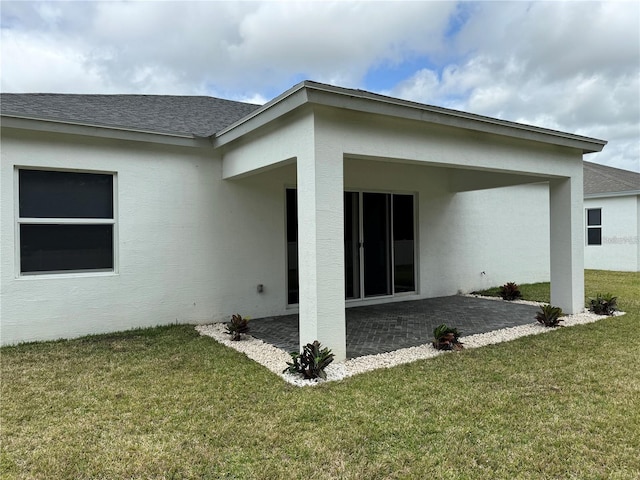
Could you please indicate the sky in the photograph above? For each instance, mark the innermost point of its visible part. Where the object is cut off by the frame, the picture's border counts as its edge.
(570, 66)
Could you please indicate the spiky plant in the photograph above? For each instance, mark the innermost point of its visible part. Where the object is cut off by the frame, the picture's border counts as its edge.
(510, 291)
(549, 316)
(446, 338)
(603, 304)
(237, 326)
(311, 362)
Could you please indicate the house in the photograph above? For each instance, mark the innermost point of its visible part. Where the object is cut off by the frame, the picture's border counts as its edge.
(130, 211)
(612, 218)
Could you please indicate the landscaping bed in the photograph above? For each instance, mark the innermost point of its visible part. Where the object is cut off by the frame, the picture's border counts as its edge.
(275, 359)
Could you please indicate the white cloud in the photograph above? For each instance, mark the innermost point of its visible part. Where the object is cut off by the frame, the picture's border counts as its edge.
(230, 47)
(565, 66)
(51, 66)
(572, 66)
(337, 42)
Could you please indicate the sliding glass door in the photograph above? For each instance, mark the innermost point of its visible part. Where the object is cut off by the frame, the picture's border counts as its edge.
(379, 244)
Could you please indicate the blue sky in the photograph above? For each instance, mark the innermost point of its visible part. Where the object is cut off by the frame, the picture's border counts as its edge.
(571, 66)
(386, 75)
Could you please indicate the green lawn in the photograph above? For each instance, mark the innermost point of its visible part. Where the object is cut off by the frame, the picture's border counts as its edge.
(537, 292)
(625, 285)
(167, 403)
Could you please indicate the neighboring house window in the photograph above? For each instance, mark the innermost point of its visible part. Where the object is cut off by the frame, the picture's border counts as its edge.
(65, 221)
(594, 226)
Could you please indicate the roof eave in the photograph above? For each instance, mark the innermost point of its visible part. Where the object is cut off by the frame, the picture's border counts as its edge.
(338, 97)
(627, 193)
(284, 103)
(103, 131)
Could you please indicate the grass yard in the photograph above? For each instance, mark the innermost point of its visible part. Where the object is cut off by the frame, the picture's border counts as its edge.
(167, 403)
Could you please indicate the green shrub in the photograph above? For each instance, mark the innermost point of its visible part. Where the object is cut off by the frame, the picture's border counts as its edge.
(603, 304)
(510, 291)
(549, 316)
(446, 338)
(237, 326)
(311, 362)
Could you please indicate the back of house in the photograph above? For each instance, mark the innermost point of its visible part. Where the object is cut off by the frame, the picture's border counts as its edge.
(125, 211)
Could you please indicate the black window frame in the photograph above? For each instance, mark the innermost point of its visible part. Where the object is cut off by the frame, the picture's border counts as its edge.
(594, 226)
(43, 234)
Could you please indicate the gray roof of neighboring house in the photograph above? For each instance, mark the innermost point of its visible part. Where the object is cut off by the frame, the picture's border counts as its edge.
(198, 116)
(601, 179)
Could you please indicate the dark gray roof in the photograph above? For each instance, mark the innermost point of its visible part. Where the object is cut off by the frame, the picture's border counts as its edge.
(183, 115)
(601, 179)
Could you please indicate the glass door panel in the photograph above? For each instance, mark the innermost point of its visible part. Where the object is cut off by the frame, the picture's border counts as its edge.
(352, 244)
(403, 244)
(292, 246)
(376, 230)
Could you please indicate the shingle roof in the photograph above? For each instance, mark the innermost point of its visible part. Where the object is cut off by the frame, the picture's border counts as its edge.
(184, 115)
(202, 116)
(601, 179)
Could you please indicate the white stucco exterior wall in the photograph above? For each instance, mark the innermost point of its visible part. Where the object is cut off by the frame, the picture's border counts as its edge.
(199, 229)
(191, 248)
(620, 249)
(503, 232)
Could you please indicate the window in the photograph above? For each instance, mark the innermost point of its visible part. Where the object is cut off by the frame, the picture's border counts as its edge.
(65, 221)
(594, 226)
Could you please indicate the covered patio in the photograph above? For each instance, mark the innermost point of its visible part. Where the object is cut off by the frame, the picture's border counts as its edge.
(387, 327)
(355, 158)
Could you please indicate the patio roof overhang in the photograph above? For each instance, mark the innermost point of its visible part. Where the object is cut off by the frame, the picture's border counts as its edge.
(318, 94)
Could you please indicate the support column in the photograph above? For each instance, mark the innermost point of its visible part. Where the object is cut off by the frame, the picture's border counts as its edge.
(567, 243)
(321, 249)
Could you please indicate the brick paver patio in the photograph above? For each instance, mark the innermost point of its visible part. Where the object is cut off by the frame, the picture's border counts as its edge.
(391, 326)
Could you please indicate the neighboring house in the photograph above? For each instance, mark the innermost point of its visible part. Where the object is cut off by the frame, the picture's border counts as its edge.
(122, 211)
(612, 218)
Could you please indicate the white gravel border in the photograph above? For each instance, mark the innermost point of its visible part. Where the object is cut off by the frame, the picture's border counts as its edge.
(275, 359)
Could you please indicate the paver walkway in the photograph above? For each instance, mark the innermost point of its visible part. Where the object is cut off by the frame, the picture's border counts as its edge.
(384, 328)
